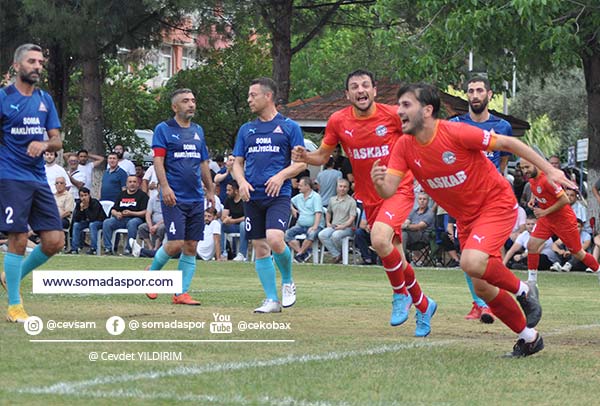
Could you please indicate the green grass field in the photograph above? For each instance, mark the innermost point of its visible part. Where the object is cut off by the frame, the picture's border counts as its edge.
(342, 349)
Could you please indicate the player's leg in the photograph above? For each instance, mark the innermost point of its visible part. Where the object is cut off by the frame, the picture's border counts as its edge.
(480, 308)
(569, 234)
(540, 233)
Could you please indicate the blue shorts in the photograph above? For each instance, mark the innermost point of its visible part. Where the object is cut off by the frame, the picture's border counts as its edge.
(184, 221)
(267, 214)
(25, 203)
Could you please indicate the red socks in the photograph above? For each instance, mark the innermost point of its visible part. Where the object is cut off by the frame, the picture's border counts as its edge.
(497, 274)
(508, 311)
(392, 264)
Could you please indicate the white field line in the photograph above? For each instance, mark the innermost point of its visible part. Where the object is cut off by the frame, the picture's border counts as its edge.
(75, 388)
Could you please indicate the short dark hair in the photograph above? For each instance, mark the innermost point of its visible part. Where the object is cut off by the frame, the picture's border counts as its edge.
(211, 210)
(178, 92)
(360, 72)
(266, 83)
(82, 151)
(425, 94)
(330, 162)
(83, 189)
(485, 81)
(234, 184)
(112, 153)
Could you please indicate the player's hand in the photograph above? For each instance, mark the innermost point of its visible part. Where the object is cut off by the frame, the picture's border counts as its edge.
(273, 185)
(299, 154)
(245, 189)
(557, 177)
(538, 212)
(378, 173)
(169, 196)
(210, 197)
(36, 148)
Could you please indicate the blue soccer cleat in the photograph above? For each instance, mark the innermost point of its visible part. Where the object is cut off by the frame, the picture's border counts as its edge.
(424, 319)
(400, 306)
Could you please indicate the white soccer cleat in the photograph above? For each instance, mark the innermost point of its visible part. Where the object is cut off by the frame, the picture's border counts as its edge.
(269, 306)
(288, 294)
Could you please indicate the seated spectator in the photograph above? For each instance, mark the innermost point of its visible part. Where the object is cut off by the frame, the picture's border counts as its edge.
(152, 232)
(139, 173)
(419, 224)
(446, 238)
(76, 176)
(362, 240)
(88, 214)
(518, 228)
(150, 182)
(516, 256)
(579, 209)
(210, 246)
(296, 181)
(114, 180)
(567, 262)
(339, 220)
(327, 181)
(233, 219)
(64, 201)
(54, 170)
(128, 212)
(308, 209)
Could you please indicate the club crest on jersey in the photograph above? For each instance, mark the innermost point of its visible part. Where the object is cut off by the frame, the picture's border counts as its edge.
(196, 137)
(381, 130)
(42, 107)
(539, 189)
(448, 157)
(278, 130)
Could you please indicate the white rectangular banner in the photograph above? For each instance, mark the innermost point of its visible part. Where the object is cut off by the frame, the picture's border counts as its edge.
(107, 282)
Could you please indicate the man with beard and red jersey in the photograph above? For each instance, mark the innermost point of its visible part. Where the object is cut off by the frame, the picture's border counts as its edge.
(447, 161)
(479, 94)
(367, 131)
(555, 216)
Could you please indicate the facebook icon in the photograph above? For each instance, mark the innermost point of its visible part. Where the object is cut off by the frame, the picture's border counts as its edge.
(115, 325)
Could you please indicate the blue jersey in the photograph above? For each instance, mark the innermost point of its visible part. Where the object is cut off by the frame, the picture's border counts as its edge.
(186, 150)
(499, 125)
(24, 119)
(267, 149)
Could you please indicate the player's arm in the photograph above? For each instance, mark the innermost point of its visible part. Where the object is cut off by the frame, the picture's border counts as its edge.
(240, 177)
(562, 201)
(274, 183)
(515, 146)
(208, 183)
(385, 183)
(54, 143)
(161, 174)
(318, 157)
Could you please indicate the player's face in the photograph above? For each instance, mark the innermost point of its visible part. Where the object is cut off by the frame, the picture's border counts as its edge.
(49, 157)
(528, 169)
(30, 67)
(258, 99)
(411, 113)
(478, 97)
(571, 195)
(184, 106)
(361, 92)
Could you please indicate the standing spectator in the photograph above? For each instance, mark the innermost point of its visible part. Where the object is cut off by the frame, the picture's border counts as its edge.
(87, 163)
(139, 173)
(181, 164)
(150, 182)
(210, 246)
(76, 176)
(518, 183)
(342, 163)
(26, 114)
(327, 181)
(224, 177)
(114, 180)
(419, 224)
(64, 201)
(124, 163)
(152, 232)
(308, 209)
(362, 240)
(88, 214)
(339, 220)
(296, 181)
(54, 170)
(128, 212)
(233, 219)
(263, 169)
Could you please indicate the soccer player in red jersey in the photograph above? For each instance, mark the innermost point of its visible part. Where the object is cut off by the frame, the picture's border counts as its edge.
(367, 131)
(447, 160)
(550, 205)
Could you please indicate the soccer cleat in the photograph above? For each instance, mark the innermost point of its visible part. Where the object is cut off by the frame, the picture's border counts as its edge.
(288, 294)
(16, 314)
(424, 319)
(269, 306)
(475, 312)
(136, 248)
(400, 306)
(531, 305)
(185, 299)
(567, 267)
(487, 317)
(556, 267)
(523, 349)
(151, 296)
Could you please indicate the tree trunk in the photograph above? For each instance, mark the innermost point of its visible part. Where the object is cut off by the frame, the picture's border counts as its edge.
(59, 78)
(280, 23)
(591, 69)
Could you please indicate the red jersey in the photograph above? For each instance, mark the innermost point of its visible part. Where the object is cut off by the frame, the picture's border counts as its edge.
(544, 193)
(366, 139)
(454, 171)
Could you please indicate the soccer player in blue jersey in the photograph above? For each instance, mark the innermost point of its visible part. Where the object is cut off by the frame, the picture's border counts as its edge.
(181, 164)
(26, 115)
(263, 147)
(479, 94)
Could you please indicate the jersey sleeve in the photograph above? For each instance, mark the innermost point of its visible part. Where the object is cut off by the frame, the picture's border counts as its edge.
(332, 132)
(557, 191)
(204, 150)
(159, 137)
(296, 136)
(239, 148)
(52, 120)
(472, 137)
(397, 164)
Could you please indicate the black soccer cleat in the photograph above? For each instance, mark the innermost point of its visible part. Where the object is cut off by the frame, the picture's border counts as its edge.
(531, 305)
(523, 349)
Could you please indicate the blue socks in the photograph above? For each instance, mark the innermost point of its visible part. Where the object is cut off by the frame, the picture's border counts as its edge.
(479, 301)
(266, 273)
(284, 263)
(187, 264)
(160, 259)
(33, 260)
(12, 268)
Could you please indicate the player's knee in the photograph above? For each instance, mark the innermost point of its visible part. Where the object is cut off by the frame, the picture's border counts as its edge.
(472, 266)
(380, 242)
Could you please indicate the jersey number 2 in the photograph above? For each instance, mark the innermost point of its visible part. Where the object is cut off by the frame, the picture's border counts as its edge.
(9, 215)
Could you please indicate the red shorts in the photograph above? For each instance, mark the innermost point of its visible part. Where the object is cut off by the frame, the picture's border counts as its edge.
(393, 211)
(562, 224)
(489, 232)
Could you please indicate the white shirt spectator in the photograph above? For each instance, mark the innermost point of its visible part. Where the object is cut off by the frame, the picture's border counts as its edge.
(127, 166)
(206, 248)
(80, 176)
(88, 170)
(56, 171)
(152, 179)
